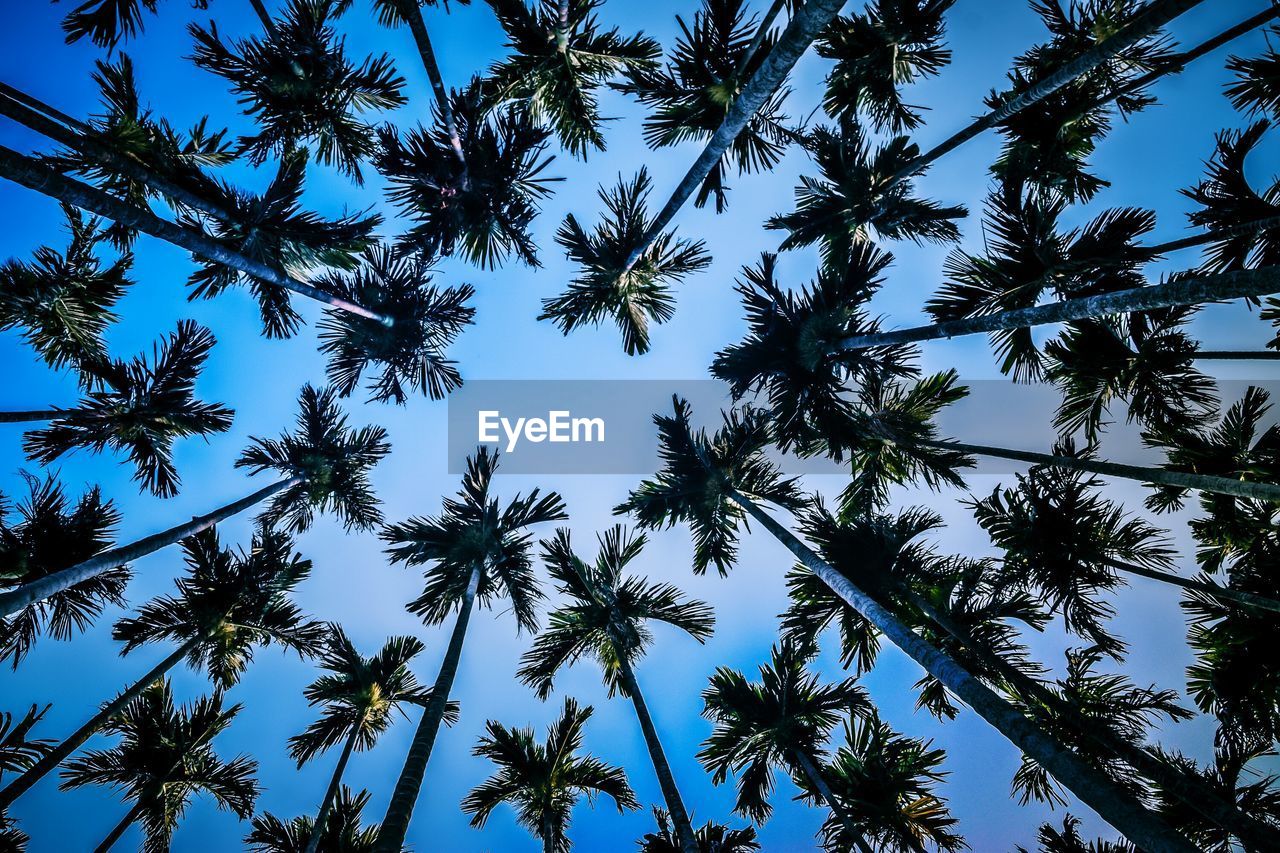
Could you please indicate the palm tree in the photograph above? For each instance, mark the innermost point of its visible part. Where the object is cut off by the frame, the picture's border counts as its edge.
(692, 461)
(135, 407)
(227, 605)
(857, 195)
(480, 202)
(343, 832)
(633, 296)
(1227, 775)
(544, 780)
(17, 751)
(411, 353)
(1068, 840)
(710, 838)
(886, 782)
(360, 695)
(475, 549)
(1255, 88)
(301, 87)
(605, 617)
(560, 58)
(891, 44)
(1227, 199)
(325, 466)
(165, 756)
(63, 301)
(784, 720)
(49, 534)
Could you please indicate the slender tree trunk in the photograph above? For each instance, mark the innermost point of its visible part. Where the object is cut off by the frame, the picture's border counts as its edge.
(819, 782)
(666, 779)
(14, 600)
(1223, 593)
(120, 828)
(1092, 787)
(562, 30)
(36, 104)
(28, 417)
(1156, 15)
(1160, 476)
(1183, 291)
(395, 825)
(64, 750)
(766, 23)
(267, 24)
(317, 831)
(1187, 788)
(35, 175)
(1237, 355)
(795, 40)
(418, 26)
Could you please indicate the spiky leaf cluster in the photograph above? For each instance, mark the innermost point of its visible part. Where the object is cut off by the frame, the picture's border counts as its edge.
(711, 837)
(108, 22)
(1229, 203)
(343, 831)
(1257, 87)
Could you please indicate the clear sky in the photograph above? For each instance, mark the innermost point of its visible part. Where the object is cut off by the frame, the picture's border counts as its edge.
(1147, 160)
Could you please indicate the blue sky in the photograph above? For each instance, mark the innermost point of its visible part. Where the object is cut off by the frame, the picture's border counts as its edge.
(1147, 160)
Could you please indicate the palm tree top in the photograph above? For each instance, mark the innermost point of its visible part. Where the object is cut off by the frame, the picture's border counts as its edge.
(476, 532)
(1255, 89)
(606, 612)
(711, 837)
(343, 831)
(229, 602)
(543, 780)
(1068, 840)
(17, 750)
(1228, 200)
(334, 460)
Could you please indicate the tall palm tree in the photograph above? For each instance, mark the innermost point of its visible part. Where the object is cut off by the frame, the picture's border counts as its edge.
(343, 832)
(136, 407)
(890, 44)
(226, 606)
(544, 780)
(1068, 840)
(710, 838)
(886, 781)
(326, 468)
(360, 695)
(411, 353)
(301, 87)
(63, 302)
(48, 534)
(633, 296)
(475, 549)
(479, 203)
(165, 756)
(785, 721)
(1226, 199)
(605, 616)
(560, 58)
(1228, 774)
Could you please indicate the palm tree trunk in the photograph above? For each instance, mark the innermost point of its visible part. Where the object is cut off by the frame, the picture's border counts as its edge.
(666, 779)
(40, 106)
(562, 29)
(819, 782)
(1237, 355)
(1157, 14)
(1223, 593)
(1092, 787)
(811, 20)
(1185, 787)
(63, 750)
(120, 828)
(317, 831)
(27, 417)
(267, 24)
(395, 825)
(14, 600)
(1183, 291)
(1160, 476)
(418, 26)
(766, 23)
(41, 178)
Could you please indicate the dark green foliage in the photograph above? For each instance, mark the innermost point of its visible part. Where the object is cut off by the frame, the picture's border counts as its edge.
(1228, 201)
(1068, 840)
(108, 22)
(343, 832)
(1230, 775)
(711, 838)
(1257, 89)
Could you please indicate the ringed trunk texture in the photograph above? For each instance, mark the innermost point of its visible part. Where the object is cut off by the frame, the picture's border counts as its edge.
(808, 23)
(666, 779)
(14, 600)
(395, 826)
(819, 782)
(1093, 788)
(64, 750)
(317, 830)
(36, 176)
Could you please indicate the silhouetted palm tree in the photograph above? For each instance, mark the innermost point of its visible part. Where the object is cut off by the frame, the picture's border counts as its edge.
(360, 694)
(50, 534)
(1227, 200)
(343, 832)
(474, 550)
(62, 302)
(1255, 90)
(605, 617)
(136, 407)
(607, 288)
(1227, 774)
(164, 758)
(301, 87)
(411, 353)
(560, 59)
(17, 750)
(544, 780)
(710, 838)
(1068, 840)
